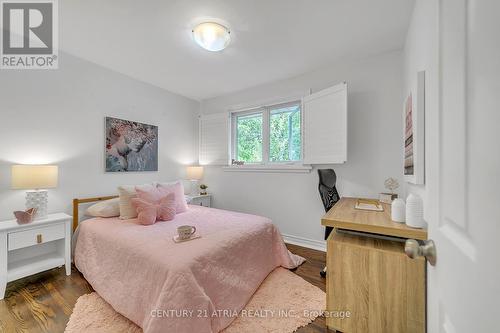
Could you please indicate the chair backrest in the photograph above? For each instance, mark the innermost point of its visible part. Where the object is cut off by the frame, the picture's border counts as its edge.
(328, 192)
(327, 189)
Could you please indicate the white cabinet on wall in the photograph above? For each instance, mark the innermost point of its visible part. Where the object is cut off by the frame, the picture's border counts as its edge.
(325, 126)
(214, 139)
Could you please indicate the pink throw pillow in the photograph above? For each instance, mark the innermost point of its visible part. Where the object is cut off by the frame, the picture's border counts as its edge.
(148, 212)
(178, 189)
(151, 194)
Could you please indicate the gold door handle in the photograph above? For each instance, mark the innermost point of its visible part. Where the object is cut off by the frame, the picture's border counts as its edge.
(39, 238)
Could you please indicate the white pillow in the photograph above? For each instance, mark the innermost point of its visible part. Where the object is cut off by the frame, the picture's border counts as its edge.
(127, 192)
(107, 208)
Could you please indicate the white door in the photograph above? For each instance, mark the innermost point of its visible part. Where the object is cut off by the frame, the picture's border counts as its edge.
(464, 188)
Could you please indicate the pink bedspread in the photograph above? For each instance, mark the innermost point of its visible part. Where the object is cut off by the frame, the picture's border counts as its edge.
(196, 286)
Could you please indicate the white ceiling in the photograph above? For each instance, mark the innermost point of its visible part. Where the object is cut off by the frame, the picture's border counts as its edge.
(271, 39)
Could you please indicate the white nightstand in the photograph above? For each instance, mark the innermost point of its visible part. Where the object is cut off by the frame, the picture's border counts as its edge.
(27, 249)
(200, 200)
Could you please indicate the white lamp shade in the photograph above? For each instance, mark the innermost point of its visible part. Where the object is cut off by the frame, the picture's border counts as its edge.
(194, 172)
(211, 36)
(29, 177)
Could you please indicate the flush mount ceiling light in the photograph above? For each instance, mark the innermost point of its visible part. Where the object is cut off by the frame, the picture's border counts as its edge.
(212, 36)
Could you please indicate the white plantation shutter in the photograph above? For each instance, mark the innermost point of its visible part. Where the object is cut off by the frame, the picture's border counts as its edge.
(325, 126)
(214, 139)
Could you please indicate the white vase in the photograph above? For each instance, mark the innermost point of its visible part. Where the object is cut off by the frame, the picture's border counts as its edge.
(38, 199)
(414, 211)
(398, 210)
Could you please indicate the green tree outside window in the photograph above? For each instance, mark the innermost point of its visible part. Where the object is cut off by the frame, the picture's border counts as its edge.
(285, 135)
(249, 138)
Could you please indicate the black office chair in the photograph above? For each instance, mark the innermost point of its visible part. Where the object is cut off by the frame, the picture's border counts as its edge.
(329, 195)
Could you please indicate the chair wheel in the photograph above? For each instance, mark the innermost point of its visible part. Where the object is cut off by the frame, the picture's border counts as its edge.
(323, 274)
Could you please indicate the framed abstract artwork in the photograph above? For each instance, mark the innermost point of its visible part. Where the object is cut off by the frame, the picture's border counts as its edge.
(131, 146)
(414, 132)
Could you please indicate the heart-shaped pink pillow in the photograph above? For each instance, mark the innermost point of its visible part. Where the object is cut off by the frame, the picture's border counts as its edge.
(150, 211)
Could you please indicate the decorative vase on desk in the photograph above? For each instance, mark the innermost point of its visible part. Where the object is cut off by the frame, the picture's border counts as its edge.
(398, 210)
(414, 211)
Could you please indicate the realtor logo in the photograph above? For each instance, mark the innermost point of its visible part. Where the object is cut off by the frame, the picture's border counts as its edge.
(29, 34)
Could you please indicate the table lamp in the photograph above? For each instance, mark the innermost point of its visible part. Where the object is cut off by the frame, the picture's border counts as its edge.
(194, 174)
(37, 179)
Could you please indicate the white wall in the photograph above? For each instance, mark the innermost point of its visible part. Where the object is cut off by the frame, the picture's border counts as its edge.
(374, 146)
(58, 117)
(420, 54)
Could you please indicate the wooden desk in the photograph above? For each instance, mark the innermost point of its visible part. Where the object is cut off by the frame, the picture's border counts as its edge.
(344, 216)
(372, 278)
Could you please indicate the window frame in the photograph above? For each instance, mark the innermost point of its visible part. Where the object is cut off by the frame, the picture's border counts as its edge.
(265, 110)
(234, 131)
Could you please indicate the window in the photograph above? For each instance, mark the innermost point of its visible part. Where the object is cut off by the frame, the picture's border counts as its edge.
(271, 134)
(249, 138)
(287, 137)
(285, 141)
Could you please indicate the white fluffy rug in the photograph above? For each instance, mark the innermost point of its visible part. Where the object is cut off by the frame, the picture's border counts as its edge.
(283, 303)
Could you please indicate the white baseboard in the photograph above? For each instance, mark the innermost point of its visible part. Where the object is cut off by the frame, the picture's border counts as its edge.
(305, 242)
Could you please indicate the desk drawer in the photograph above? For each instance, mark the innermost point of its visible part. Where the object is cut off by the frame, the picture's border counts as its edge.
(20, 239)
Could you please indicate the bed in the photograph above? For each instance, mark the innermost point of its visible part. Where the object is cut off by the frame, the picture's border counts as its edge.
(195, 286)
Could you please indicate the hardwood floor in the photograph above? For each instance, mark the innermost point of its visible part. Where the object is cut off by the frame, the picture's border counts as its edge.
(44, 302)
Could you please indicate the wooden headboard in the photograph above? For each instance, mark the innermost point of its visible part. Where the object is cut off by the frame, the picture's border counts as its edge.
(77, 202)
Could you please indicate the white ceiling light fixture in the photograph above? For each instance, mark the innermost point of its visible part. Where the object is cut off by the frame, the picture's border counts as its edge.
(212, 36)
